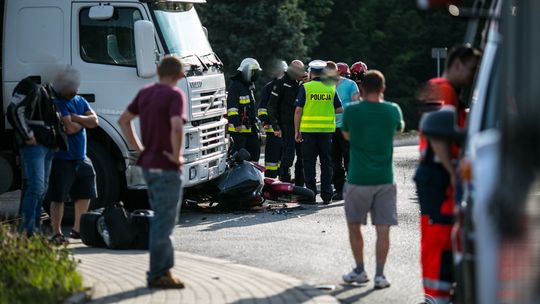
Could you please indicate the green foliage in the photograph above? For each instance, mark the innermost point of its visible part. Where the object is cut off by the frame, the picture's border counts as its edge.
(264, 30)
(32, 271)
(391, 36)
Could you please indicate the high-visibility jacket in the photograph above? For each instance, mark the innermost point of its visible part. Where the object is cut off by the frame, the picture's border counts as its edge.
(318, 115)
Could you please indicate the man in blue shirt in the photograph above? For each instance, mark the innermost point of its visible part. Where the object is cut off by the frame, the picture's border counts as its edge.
(348, 92)
(72, 173)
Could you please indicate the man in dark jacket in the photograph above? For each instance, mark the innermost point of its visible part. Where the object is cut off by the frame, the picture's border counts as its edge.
(272, 149)
(281, 107)
(241, 108)
(32, 116)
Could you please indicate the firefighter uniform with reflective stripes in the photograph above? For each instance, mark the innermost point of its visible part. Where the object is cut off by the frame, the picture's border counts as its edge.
(242, 117)
(437, 201)
(272, 149)
(319, 102)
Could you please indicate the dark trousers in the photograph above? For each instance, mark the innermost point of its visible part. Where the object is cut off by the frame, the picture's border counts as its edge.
(248, 141)
(340, 160)
(289, 148)
(272, 155)
(318, 145)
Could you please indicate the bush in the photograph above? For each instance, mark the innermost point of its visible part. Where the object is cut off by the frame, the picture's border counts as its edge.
(33, 271)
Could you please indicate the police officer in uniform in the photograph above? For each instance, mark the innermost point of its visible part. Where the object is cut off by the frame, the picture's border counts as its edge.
(315, 123)
(272, 149)
(281, 107)
(241, 108)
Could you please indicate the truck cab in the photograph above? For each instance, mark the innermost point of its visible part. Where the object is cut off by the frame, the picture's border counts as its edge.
(115, 45)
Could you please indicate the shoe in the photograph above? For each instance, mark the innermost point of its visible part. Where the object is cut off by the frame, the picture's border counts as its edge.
(74, 234)
(59, 240)
(308, 202)
(167, 281)
(381, 282)
(326, 202)
(354, 277)
(338, 196)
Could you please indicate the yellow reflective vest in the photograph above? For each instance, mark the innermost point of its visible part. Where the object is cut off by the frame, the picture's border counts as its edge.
(319, 114)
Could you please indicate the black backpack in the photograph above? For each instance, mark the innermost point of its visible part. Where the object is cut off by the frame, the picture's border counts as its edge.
(118, 227)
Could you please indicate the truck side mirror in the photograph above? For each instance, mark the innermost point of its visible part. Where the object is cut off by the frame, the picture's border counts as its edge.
(442, 124)
(145, 46)
(101, 12)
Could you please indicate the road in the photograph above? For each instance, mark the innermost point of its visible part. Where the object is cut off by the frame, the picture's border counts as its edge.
(312, 244)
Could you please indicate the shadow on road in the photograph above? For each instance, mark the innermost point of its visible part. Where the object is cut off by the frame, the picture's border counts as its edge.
(352, 293)
(218, 221)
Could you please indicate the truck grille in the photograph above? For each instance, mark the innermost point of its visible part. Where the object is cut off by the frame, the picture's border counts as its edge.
(212, 140)
(205, 104)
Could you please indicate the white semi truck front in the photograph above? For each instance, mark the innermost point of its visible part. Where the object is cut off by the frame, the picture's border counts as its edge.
(115, 45)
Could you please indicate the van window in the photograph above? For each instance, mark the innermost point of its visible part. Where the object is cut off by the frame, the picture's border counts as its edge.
(109, 41)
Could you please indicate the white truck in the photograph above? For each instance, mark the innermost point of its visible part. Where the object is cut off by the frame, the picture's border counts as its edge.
(115, 45)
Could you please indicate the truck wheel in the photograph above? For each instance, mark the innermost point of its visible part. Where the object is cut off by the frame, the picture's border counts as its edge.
(107, 175)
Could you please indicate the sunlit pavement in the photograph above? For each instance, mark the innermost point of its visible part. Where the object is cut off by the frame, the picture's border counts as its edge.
(312, 244)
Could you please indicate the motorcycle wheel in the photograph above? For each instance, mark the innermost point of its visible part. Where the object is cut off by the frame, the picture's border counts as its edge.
(303, 194)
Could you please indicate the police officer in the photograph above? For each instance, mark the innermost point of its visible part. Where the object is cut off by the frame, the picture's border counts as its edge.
(272, 149)
(315, 123)
(281, 107)
(241, 108)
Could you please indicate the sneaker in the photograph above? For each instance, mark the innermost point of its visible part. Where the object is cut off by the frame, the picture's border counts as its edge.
(59, 240)
(354, 277)
(381, 282)
(167, 281)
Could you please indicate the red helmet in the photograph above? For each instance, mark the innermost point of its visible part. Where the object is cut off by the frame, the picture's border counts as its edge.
(343, 69)
(358, 70)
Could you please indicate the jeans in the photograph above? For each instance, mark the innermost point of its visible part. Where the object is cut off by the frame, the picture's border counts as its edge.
(165, 196)
(36, 162)
(318, 145)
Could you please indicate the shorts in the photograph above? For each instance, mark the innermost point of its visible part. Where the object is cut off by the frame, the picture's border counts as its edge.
(72, 180)
(379, 200)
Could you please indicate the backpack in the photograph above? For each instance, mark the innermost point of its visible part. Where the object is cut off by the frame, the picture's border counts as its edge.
(32, 108)
(116, 227)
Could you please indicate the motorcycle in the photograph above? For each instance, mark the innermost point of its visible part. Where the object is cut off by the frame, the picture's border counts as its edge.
(243, 185)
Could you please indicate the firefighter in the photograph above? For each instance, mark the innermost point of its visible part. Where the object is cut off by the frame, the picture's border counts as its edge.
(358, 69)
(315, 123)
(241, 108)
(272, 149)
(436, 177)
(281, 107)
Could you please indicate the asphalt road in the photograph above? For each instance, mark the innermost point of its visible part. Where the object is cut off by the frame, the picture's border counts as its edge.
(312, 244)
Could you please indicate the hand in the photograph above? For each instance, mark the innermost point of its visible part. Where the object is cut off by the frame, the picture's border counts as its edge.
(74, 117)
(277, 134)
(31, 142)
(179, 160)
(298, 136)
(238, 129)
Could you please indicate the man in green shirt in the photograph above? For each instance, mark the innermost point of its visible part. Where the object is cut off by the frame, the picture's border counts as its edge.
(370, 127)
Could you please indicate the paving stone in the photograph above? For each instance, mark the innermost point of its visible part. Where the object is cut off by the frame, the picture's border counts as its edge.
(120, 277)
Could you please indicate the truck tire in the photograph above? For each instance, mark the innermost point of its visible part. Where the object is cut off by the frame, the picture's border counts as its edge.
(107, 175)
(303, 194)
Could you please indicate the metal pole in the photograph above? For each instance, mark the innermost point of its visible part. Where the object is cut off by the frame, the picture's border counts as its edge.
(438, 64)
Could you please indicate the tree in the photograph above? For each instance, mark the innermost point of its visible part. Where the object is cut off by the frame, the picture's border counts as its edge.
(264, 30)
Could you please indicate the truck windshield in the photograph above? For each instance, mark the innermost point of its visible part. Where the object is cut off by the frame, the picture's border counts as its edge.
(181, 29)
